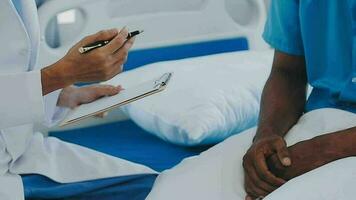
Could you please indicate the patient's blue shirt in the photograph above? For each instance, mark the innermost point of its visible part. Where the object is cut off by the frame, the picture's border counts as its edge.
(324, 31)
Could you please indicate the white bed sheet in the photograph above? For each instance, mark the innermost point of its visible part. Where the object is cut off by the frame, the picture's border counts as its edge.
(218, 173)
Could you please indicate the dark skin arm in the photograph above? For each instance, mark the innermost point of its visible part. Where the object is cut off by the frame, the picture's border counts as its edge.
(284, 96)
(316, 152)
(282, 104)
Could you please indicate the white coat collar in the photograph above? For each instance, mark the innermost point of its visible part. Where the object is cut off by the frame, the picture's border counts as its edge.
(29, 18)
(15, 43)
(15, 56)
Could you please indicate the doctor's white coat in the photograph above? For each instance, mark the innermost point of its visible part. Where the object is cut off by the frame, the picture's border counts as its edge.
(22, 151)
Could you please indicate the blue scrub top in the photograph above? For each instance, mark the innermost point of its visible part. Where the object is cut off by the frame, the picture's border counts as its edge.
(324, 31)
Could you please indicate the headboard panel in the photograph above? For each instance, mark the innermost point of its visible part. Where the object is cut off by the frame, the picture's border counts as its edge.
(174, 29)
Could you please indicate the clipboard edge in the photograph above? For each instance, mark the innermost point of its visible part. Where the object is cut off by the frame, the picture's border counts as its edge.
(159, 88)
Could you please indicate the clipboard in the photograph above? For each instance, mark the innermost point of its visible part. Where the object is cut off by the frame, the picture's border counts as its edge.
(126, 96)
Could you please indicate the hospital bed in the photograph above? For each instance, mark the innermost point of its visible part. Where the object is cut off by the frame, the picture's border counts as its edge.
(174, 29)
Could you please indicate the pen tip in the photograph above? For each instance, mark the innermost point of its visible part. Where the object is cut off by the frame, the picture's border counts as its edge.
(141, 31)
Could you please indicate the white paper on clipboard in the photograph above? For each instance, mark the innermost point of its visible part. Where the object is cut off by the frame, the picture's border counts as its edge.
(124, 97)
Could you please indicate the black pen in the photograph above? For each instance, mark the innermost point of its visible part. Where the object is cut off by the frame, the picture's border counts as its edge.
(94, 45)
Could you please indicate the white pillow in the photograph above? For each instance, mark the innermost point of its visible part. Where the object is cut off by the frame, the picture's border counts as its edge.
(207, 100)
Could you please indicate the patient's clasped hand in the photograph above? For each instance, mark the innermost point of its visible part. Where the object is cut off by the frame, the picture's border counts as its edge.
(218, 172)
(297, 138)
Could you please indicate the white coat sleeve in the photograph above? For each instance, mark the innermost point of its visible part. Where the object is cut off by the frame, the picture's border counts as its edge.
(21, 100)
(53, 113)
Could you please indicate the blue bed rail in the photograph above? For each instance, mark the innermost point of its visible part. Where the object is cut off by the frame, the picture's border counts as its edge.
(138, 58)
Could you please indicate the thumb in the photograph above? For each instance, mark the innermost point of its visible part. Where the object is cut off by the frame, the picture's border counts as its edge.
(94, 92)
(283, 154)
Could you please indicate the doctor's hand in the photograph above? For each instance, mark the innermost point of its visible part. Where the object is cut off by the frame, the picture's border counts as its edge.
(97, 65)
(72, 97)
(259, 180)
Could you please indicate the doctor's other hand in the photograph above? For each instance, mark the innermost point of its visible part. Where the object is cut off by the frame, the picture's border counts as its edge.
(97, 65)
(72, 97)
(259, 180)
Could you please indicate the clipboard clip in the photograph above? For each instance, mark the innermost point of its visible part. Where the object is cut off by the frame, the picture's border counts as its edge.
(163, 81)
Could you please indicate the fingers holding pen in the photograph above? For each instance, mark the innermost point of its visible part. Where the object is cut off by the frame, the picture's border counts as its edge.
(120, 47)
(121, 54)
(115, 53)
(97, 57)
(119, 58)
(100, 36)
(128, 45)
(117, 42)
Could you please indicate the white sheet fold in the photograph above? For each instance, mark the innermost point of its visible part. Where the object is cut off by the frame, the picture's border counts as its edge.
(218, 174)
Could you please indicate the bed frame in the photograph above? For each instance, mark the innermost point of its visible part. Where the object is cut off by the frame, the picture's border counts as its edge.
(174, 29)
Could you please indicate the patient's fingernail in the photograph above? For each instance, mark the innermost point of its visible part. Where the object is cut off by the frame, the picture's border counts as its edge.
(286, 161)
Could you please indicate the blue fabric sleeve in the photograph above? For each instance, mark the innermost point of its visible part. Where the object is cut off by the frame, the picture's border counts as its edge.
(282, 29)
